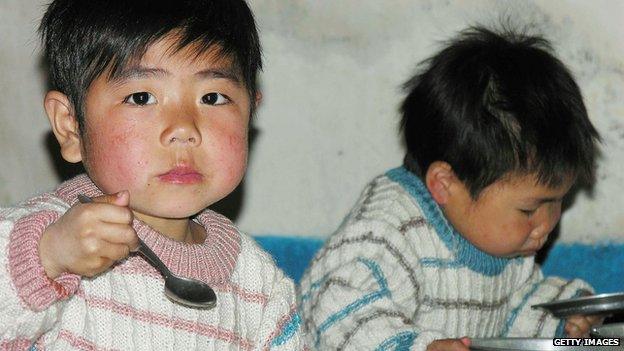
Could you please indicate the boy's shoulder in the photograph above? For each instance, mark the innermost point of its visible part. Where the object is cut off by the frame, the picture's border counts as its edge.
(47, 202)
(256, 268)
(385, 200)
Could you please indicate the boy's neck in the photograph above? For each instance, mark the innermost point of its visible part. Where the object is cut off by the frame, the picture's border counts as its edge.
(182, 230)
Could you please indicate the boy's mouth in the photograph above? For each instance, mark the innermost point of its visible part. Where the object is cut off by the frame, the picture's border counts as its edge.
(181, 175)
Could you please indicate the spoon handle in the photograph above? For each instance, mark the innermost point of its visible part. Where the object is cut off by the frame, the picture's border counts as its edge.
(143, 248)
(153, 259)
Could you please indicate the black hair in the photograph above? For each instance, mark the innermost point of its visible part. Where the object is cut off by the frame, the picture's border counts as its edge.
(84, 39)
(492, 104)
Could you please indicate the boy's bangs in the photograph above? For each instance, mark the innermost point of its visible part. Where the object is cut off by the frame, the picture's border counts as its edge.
(131, 55)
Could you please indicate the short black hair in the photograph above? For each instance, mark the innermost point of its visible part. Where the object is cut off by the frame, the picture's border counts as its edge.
(84, 39)
(494, 103)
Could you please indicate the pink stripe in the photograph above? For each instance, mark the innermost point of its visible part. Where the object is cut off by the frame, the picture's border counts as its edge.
(244, 294)
(33, 286)
(167, 321)
(280, 326)
(138, 266)
(15, 345)
(80, 342)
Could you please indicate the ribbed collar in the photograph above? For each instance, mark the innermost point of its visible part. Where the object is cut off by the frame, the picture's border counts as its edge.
(211, 261)
(464, 252)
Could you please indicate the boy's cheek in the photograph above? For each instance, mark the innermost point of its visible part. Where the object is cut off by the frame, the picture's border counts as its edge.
(230, 159)
(114, 164)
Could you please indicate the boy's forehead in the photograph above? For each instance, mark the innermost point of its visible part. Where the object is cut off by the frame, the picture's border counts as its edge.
(194, 56)
(529, 185)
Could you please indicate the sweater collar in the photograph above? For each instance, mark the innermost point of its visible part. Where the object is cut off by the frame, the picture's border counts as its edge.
(211, 261)
(464, 252)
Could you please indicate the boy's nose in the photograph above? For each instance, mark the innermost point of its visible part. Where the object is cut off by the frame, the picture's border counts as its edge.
(181, 133)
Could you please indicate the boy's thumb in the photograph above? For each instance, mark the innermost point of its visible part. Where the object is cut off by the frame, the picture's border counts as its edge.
(120, 198)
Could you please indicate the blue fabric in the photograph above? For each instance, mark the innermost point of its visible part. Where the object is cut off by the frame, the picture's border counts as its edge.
(601, 265)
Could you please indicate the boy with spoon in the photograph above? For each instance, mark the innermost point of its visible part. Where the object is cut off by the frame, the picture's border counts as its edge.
(155, 99)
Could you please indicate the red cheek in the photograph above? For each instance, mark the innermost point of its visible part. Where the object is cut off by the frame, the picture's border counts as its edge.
(235, 142)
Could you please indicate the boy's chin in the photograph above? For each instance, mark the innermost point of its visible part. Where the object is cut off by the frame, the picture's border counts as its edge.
(168, 212)
(519, 254)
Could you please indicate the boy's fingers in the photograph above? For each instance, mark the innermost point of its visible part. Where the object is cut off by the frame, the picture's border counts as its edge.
(465, 340)
(448, 345)
(115, 233)
(120, 198)
(577, 326)
(105, 212)
(114, 252)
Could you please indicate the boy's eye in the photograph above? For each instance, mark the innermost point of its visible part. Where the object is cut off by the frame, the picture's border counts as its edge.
(142, 98)
(528, 212)
(214, 99)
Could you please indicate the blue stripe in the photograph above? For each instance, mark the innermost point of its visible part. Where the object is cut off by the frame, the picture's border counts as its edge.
(313, 287)
(359, 303)
(560, 331)
(400, 342)
(432, 262)
(465, 254)
(514, 313)
(377, 273)
(289, 330)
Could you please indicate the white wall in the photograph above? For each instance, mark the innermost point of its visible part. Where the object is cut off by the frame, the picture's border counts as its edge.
(328, 122)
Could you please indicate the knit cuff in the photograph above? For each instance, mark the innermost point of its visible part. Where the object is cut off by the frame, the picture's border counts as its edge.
(33, 286)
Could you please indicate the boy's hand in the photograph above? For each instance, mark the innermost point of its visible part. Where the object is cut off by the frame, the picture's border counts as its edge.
(578, 326)
(450, 345)
(89, 238)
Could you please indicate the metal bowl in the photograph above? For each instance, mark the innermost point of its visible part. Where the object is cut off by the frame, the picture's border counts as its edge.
(529, 344)
(615, 330)
(595, 304)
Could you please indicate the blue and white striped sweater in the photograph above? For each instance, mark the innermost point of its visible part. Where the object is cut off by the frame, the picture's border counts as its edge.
(397, 276)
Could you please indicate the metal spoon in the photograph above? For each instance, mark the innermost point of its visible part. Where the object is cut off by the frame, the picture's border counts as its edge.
(185, 291)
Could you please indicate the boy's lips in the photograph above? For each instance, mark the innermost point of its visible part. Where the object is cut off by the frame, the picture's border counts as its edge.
(181, 175)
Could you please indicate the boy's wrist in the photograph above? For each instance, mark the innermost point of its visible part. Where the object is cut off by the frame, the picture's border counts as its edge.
(50, 267)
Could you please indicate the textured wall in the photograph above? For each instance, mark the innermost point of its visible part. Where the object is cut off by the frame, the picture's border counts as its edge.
(328, 122)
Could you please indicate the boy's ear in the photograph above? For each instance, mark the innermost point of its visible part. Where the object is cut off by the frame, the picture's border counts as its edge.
(258, 99)
(64, 125)
(439, 179)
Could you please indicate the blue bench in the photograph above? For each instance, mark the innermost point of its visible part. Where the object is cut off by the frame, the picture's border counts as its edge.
(602, 265)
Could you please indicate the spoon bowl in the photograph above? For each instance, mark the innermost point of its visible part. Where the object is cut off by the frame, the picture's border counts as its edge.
(184, 291)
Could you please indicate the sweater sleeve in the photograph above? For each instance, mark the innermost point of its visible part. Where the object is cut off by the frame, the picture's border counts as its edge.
(524, 321)
(30, 304)
(362, 292)
(281, 323)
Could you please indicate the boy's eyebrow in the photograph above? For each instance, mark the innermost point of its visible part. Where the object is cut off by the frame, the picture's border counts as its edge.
(224, 73)
(541, 200)
(138, 72)
(141, 72)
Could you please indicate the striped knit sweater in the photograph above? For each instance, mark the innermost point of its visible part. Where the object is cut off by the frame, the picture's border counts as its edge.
(125, 307)
(396, 276)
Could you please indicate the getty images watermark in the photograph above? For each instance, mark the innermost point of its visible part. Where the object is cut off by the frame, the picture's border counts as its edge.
(586, 342)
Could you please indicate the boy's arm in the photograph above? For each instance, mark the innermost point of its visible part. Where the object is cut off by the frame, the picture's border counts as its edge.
(362, 292)
(281, 324)
(30, 300)
(277, 321)
(524, 321)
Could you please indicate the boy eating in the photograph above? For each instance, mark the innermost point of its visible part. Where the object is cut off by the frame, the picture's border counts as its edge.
(443, 247)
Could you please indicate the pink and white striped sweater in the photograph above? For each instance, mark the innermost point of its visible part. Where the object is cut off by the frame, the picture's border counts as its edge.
(125, 308)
